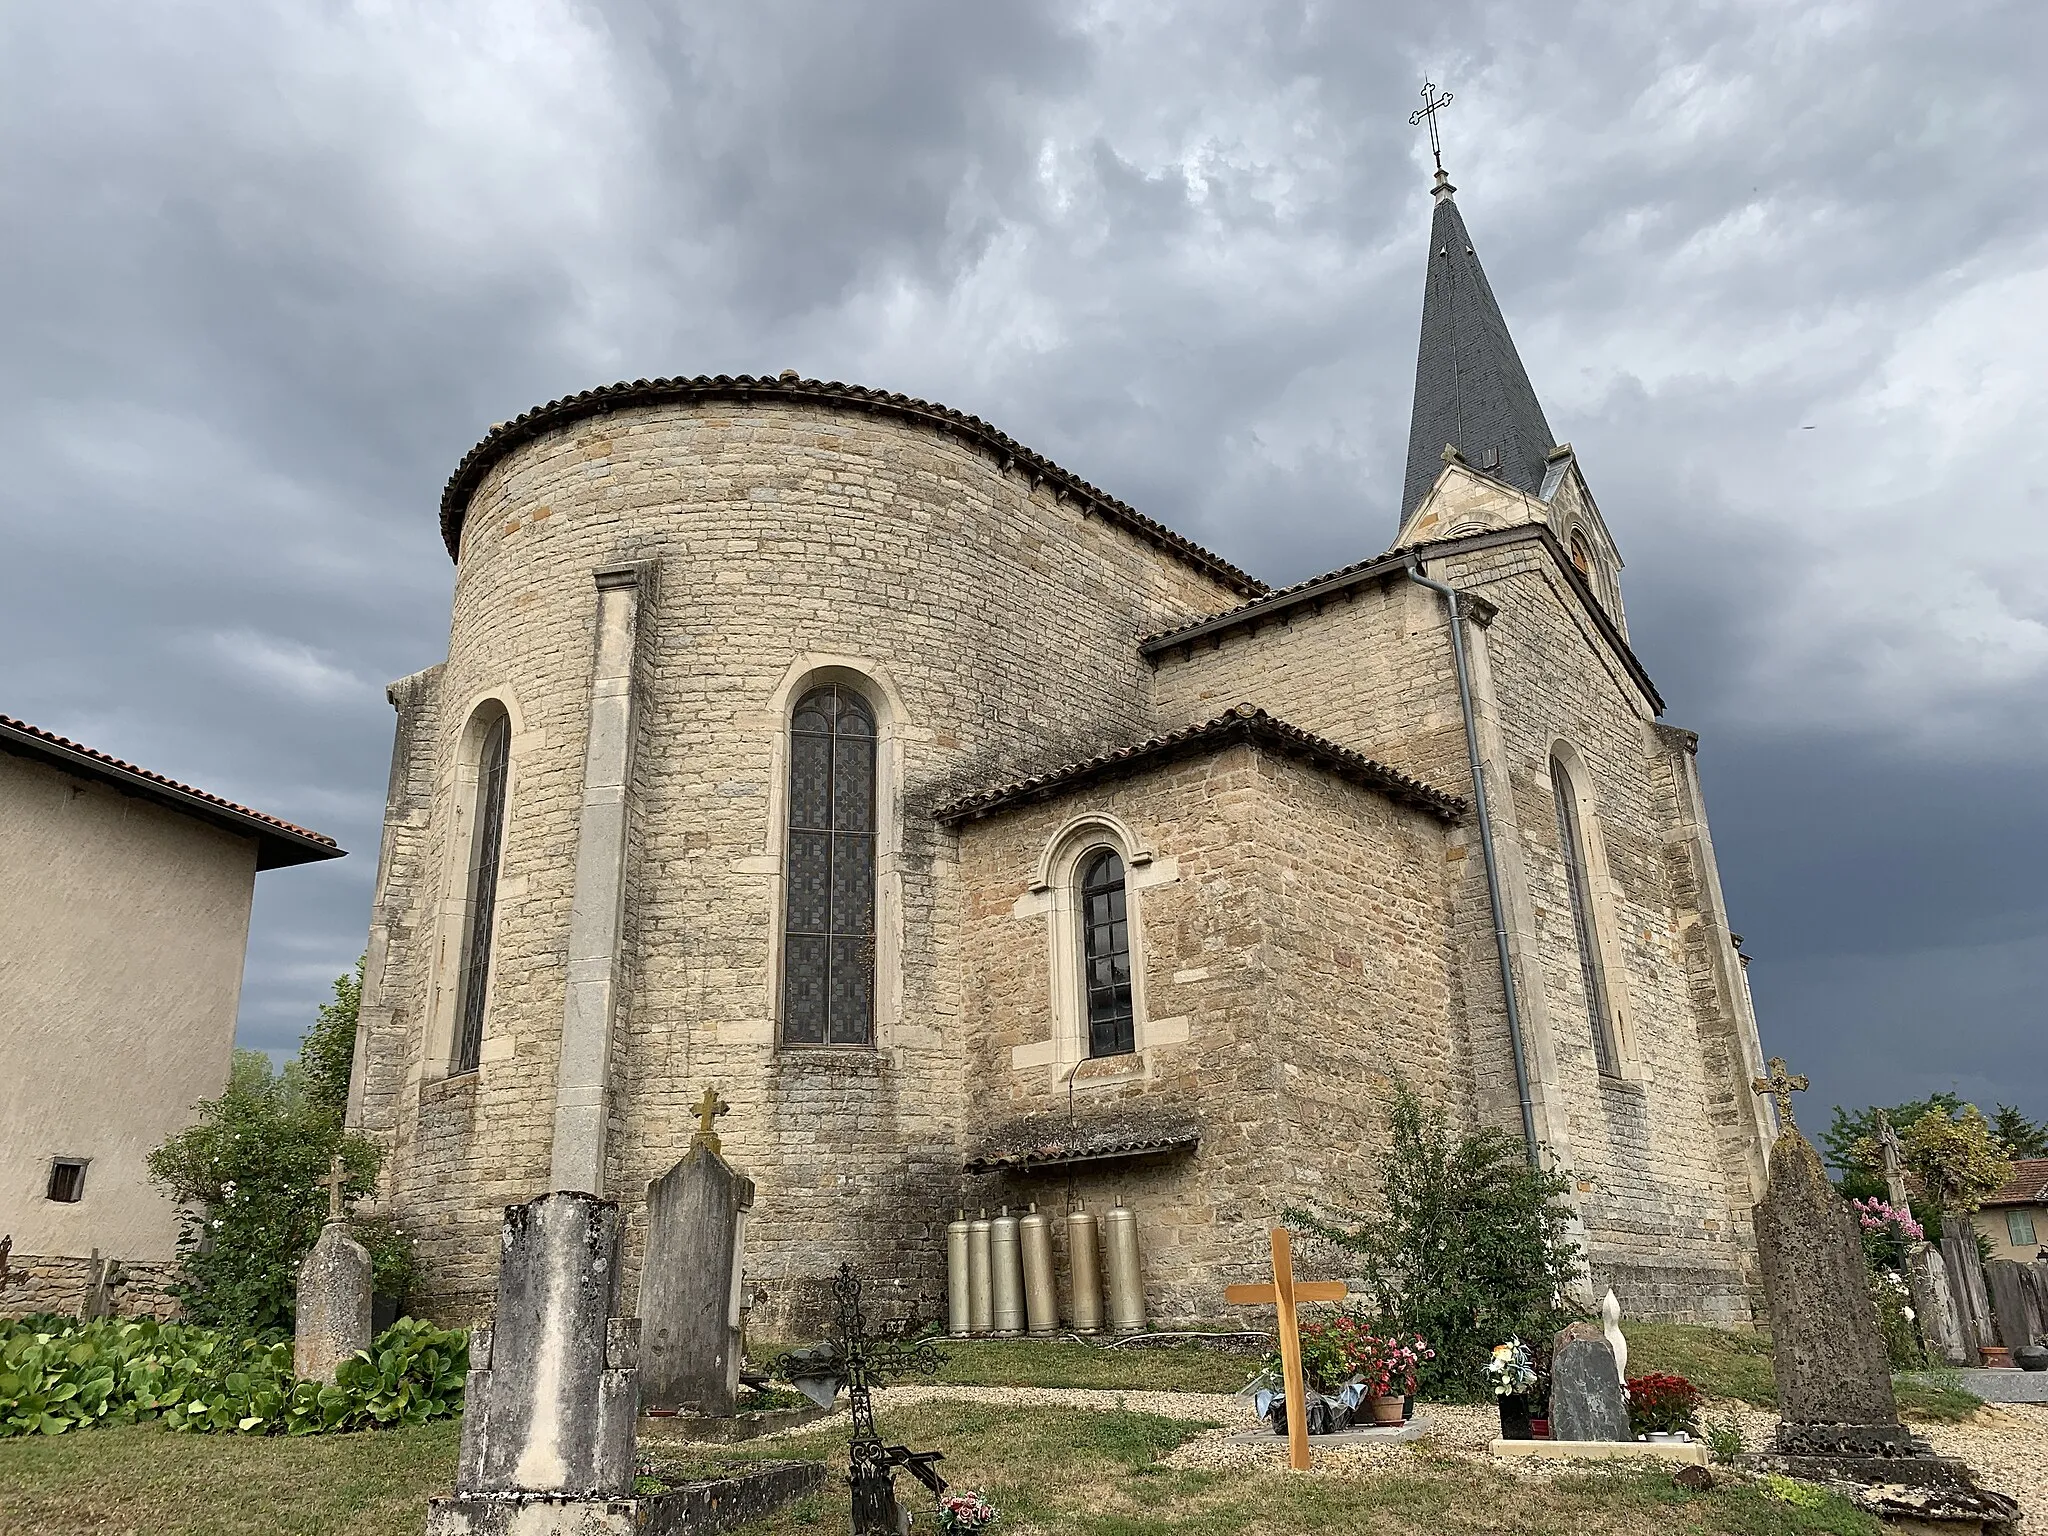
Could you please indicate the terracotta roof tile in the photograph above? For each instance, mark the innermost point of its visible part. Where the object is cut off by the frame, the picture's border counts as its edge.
(2027, 1186)
(283, 843)
(1247, 722)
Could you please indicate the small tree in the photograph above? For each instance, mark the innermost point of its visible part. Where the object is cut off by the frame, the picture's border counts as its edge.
(1472, 1246)
(1956, 1157)
(246, 1174)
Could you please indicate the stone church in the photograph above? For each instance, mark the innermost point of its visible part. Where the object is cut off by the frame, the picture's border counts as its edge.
(979, 839)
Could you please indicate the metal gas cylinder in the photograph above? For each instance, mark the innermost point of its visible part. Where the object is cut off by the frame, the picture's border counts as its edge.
(978, 1298)
(1041, 1302)
(1084, 1272)
(958, 1321)
(1126, 1286)
(1006, 1277)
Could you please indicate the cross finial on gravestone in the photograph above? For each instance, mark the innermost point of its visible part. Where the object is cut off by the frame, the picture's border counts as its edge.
(1431, 105)
(1781, 1085)
(709, 1108)
(337, 1176)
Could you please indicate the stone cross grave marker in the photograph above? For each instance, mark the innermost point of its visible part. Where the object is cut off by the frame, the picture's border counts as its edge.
(1282, 1295)
(547, 1421)
(858, 1361)
(333, 1319)
(1934, 1302)
(690, 1279)
(709, 1108)
(1586, 1397)
(1888, 1149)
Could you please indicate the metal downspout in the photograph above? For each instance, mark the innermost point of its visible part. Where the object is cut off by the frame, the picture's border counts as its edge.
(1450, 596)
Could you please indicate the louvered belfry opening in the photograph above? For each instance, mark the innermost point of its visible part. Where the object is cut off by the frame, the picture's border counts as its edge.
(828, 970)
(1106, 954)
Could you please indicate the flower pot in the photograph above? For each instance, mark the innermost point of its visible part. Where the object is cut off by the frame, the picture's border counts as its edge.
(1539, 1427)
(1386, 1412)
(1514, 1418)
(1407, 1407)
(1996, 1357)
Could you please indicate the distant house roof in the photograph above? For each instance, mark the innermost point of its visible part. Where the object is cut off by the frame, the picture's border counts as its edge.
(1247, 723)
(278, 843)
(2027, 1186)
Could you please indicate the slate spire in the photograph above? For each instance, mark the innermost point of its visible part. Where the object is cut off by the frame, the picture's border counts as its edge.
(1470, 388)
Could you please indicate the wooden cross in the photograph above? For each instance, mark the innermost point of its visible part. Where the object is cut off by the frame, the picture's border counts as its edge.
(1431, 105)
(709, 1108)
(1282, 1294)
(1781, 1085)
(337, 1175)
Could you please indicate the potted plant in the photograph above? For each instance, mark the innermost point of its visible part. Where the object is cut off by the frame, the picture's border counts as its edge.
(1662, 1407)
(1384, 1368)
(1512, 1375)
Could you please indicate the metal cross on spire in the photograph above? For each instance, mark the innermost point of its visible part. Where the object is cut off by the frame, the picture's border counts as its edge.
(1781, 1085)
(1431, 105)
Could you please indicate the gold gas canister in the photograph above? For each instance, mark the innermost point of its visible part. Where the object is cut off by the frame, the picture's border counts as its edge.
(1006, 1277)
(1126, 1286)
(958, 1314)
(979, 1300)
(1041, 1303)
(1084, 1271)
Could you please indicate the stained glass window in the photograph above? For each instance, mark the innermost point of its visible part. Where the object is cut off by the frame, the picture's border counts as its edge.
(486, 843)
(1106, 954)
(828, 967)
(1572, 846)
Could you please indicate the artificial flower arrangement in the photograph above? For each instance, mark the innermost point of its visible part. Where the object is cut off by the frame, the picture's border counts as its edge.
(965, 1512)
(1512, 1370)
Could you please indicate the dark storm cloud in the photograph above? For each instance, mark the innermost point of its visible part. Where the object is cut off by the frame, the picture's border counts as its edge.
(272, 269)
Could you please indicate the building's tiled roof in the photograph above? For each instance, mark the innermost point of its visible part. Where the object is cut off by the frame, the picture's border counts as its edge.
(279, 842)
(507, 435)
(1065, 1152)
(2027, 1186)
(1247, 723)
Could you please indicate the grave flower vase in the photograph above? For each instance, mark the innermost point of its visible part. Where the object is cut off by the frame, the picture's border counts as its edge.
(1386, 1411)
(1514, 1418)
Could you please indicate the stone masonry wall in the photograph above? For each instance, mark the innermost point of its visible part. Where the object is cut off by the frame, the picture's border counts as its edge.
(1663, 1182)
(995, 626)
(1291, 935)
(61, 1284)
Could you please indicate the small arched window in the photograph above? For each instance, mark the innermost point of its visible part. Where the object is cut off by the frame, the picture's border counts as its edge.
(1571, 843)
(486, 846)
(1582, 554)
(1106, 954)
(828, 957)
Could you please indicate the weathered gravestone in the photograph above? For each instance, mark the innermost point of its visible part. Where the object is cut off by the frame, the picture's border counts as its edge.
(1586, 1397)
(1934, 1300)
(2013, 1302)
(333, 1319)
(690, 1279)
(1966, 1280)
(1838, 1419)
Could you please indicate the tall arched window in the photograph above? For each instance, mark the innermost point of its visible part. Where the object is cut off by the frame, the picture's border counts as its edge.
(828, 958)
(1571, 843)
(486, 844)
(1582, 554)
(1106, 954)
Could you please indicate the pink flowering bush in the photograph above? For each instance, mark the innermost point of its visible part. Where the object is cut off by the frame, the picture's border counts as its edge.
(1888, 1231)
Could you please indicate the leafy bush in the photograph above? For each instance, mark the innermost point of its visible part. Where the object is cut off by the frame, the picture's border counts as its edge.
(1662, 1404)
(1472, 1245)
(58, 1374)
(246, 1175)
(1957, 1158)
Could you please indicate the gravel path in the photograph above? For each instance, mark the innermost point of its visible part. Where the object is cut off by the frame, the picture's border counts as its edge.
(2006, 1444)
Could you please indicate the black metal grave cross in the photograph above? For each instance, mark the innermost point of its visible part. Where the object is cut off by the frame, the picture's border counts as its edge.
(1431, 105)
(860, 1362)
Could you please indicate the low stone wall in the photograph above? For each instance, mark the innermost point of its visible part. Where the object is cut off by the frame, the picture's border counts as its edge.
(62, 1284)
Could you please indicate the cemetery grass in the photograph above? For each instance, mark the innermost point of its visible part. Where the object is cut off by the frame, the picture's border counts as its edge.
(1724, 1363)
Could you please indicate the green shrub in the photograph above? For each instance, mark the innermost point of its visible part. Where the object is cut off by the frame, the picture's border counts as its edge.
(58, 1374)
(1472, 1245)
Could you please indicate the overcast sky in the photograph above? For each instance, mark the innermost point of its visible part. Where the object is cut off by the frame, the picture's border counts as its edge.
(1779, 271)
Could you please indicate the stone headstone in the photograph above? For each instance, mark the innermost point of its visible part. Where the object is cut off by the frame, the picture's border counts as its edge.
(1586, 1399)
(333, 1320)
(690, 1286)
(1934, 1307)
(2013, 1305)
(547, 1425)
(1966, 1281)
(1834, 1376)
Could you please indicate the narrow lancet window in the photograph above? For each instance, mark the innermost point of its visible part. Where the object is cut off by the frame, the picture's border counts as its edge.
(1571, 844)
(1106, 955)
(828, 964)
(486, 843)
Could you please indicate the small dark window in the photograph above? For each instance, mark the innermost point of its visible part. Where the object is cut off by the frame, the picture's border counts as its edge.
(67, 1180)
(487, 840)
(1106, 955)
(1582, 554)
(828, 930)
